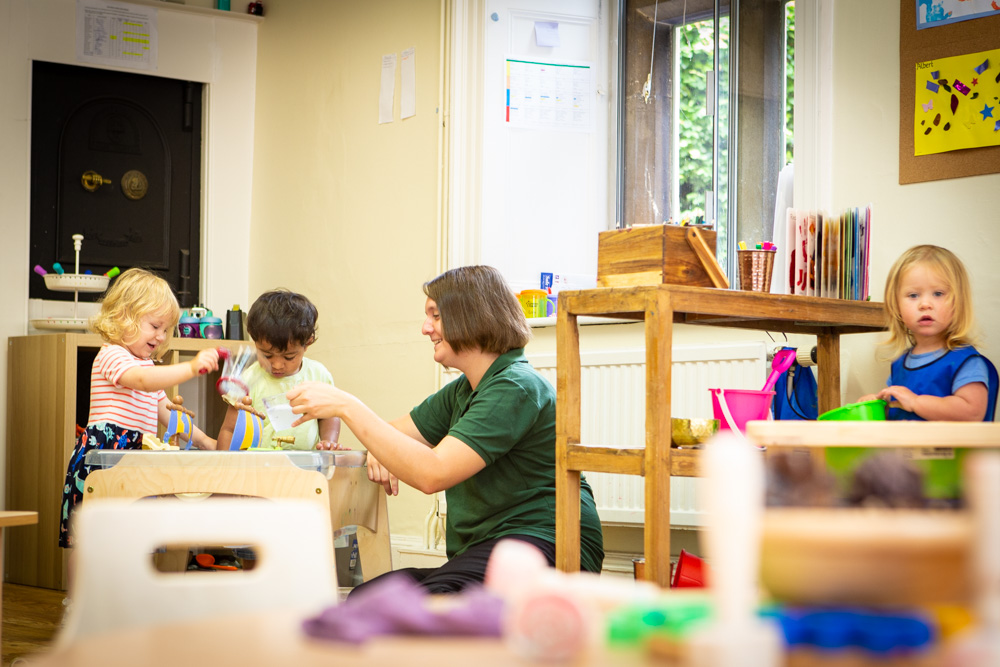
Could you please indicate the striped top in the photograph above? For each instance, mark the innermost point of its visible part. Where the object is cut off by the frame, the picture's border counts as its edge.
(111, 402)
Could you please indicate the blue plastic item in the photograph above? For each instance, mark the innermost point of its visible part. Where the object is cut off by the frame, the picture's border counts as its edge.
(876, 632)
(211, 327)
(796, 395)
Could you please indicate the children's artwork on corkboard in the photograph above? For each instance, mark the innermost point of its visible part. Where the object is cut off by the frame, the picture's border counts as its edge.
(957, 103)
(959, 53)
(933, 13)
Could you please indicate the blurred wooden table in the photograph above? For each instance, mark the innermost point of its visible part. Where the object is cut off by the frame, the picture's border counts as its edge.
(660, 307)
(277, 638)
(266, 640)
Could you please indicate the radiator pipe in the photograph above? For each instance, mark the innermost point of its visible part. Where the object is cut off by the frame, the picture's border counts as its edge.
(804, 357)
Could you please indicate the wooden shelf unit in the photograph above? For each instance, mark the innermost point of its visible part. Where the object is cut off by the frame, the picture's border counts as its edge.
(660, 307)
(41, 426)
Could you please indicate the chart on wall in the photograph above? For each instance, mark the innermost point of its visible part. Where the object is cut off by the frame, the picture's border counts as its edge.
(116, 34)
(957, 103)
(545, 140)
(550, 95)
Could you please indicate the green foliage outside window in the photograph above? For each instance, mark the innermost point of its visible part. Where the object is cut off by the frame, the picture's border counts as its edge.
(695, 48)
(789, 78)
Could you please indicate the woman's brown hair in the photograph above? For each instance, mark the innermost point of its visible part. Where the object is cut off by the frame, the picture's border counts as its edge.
(478, 310)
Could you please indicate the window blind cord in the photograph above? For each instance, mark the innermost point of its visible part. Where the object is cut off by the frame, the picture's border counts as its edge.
(647, 87)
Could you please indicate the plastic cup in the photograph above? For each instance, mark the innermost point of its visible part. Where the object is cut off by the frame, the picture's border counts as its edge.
(279, 412)
(534, 302)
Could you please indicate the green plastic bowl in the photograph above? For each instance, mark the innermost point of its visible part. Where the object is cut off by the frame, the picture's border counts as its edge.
(865, 411)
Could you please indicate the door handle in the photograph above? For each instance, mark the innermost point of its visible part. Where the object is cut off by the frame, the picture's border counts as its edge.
(91, 181)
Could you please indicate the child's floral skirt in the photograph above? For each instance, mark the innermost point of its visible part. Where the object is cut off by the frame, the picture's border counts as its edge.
(96, 436)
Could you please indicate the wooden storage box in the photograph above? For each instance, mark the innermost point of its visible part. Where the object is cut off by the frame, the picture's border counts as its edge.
(654, 255)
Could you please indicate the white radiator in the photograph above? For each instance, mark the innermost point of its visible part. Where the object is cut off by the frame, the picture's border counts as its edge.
(613, 405)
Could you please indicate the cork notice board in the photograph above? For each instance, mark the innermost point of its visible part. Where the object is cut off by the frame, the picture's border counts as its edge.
(954, 39)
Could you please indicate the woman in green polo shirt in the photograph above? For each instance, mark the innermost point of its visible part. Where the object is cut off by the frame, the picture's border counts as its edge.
(487, 439)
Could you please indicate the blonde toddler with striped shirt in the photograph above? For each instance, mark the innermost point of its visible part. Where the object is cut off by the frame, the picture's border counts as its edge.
(137, 320)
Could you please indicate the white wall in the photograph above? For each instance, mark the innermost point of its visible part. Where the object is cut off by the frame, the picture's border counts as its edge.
(215, 48)
(961, 214)
(345, 210)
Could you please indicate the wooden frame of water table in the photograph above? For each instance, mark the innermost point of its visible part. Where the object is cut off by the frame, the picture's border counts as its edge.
(660, 307)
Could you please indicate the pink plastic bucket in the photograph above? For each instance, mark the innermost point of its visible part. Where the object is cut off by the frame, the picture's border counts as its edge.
(743, 405)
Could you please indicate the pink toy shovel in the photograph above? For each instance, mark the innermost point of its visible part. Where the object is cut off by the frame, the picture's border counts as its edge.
(783, 360)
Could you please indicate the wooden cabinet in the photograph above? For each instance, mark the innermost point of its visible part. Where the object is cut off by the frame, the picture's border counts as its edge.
(42, 396)
(660, 306)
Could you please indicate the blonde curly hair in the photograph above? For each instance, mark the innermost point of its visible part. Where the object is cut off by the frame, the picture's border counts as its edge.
(134, 295)
(952, 271)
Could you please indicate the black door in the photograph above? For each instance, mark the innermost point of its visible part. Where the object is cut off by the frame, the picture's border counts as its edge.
(115, 157)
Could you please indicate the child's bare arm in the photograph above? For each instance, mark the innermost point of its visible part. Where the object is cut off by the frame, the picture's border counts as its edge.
(155, 378)
(329, 429)
(968, 404)
(200, 439)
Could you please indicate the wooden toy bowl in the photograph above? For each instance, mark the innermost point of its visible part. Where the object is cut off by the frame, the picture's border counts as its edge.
(877, 557)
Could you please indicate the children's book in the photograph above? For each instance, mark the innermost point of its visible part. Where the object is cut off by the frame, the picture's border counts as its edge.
(828, 255)
(810, 256)
(834, 257)
(820, 274)
(788, 251)
(868, 247)
(798, 284)
(802, 245)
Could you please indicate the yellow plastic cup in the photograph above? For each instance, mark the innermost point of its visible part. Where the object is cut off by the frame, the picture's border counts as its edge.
(534, 302)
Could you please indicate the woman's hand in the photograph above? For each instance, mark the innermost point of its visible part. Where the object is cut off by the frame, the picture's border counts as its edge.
(205, 361)
(378, 474)
(317, 400)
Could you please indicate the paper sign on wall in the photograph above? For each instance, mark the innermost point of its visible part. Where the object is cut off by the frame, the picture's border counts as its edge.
(387, 88)
(957, 103)
(116, 33)
(408, 84)
(932, 13)
(550, 95)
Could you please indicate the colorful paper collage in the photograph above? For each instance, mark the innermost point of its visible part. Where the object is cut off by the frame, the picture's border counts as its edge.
(932, 13)
(957, 103)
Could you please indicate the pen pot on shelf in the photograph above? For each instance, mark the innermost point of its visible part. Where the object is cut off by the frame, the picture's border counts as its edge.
(755, 269)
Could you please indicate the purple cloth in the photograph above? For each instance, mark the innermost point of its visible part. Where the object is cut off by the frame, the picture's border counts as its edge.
(396, 605)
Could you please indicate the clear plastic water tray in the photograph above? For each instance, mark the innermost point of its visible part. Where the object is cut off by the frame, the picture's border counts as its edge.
(321, 461)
